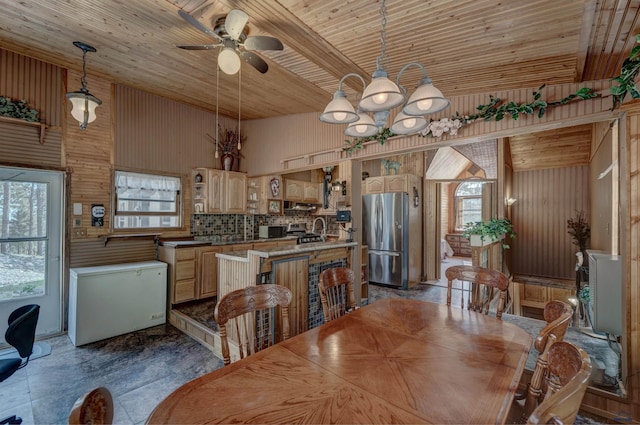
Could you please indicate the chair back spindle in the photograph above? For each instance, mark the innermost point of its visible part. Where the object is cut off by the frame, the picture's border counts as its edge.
(483, 282)
(248, 317)
(335, 286)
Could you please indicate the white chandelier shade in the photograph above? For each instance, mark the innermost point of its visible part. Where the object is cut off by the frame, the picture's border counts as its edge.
(381, 94)
(408, 124)
(364, 127)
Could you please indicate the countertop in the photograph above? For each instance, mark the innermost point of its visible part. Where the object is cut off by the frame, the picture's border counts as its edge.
(285, 250)
(191, 243)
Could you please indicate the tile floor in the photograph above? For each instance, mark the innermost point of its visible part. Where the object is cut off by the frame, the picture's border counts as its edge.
(140, 368)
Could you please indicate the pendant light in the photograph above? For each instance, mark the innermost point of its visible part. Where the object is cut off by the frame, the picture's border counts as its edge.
(84, 103)
(381, 96)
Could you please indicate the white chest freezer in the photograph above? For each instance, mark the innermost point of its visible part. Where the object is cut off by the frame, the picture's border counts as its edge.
(106, 301)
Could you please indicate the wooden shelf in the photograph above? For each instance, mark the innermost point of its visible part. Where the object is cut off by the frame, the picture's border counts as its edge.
(107, 238)
(42, 126)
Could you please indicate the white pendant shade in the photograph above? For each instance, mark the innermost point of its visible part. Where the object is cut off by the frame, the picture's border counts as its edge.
(228, 61)
(425, 100)
(339, 110)
(407, 124)
(364, 127)
(382, 94)
(82, 102)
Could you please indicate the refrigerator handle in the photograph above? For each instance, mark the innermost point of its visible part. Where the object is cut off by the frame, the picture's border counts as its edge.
(386, 254)
(379, 221)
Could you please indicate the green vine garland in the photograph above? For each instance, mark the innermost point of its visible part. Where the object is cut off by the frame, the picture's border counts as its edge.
(494, 110)
(17, 109)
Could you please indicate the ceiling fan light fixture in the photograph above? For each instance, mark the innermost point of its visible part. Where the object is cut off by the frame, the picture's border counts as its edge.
(228, 61)
(83, 103)
(408, 124)
(364, 127)
(427, 99)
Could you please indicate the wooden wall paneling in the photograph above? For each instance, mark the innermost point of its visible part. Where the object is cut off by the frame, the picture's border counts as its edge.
(445, 207)
(20, 145)
(431, 237)
(632, 248)
(546, 199)
(155, 133)
(88, 154)
(93, 251)
(38, 83)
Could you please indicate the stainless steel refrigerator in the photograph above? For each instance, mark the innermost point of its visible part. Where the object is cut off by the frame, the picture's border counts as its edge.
(386, 233)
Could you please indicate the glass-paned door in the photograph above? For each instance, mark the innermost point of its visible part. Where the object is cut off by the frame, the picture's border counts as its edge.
(31, 223)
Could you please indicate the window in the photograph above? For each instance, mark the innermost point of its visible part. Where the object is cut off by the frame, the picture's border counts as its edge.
(146, 201)
(468, 203)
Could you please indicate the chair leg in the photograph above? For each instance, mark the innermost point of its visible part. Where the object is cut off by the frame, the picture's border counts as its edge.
(11, 420)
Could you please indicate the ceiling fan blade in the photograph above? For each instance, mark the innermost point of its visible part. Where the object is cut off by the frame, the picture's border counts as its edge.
(254, 60)
(193, 21)
(199, 46)
(234, 23)
(262, 42)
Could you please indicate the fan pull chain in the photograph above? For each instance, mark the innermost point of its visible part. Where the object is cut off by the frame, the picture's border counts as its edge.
(239, 104)
(217, 91)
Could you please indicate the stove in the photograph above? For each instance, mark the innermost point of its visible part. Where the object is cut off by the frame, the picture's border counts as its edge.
(300, 230)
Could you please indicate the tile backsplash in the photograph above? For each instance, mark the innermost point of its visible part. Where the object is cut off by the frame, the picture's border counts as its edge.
(243, 227)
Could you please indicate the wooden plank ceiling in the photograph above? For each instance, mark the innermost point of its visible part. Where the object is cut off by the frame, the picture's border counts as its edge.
(467, 46)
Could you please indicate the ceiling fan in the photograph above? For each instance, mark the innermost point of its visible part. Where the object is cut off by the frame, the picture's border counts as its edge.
(231, 34)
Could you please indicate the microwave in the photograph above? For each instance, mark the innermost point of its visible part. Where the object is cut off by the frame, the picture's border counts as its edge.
(268, 232)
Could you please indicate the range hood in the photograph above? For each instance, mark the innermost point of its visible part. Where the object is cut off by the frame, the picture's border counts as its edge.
(298, 206)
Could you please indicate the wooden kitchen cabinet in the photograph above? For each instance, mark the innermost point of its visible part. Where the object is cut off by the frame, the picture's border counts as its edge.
(302, 191)
(207, 271)
(181, 272)
(219, 191)
(192, 272)
(531, 294)
(392, 183)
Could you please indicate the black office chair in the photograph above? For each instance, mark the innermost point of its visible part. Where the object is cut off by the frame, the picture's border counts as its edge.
(21, 334)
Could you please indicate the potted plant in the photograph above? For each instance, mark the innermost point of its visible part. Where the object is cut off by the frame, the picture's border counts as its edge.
(482, 233)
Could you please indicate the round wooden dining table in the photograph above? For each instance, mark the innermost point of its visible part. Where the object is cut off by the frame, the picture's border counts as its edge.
(393, 361)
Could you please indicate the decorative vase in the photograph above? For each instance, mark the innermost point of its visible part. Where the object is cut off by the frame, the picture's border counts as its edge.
(227, 161)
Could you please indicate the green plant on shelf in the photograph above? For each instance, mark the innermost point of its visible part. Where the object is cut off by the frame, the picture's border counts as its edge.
(491, 230)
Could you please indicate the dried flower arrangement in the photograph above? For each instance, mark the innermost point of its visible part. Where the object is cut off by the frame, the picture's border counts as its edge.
(229, 142)
(579, 230)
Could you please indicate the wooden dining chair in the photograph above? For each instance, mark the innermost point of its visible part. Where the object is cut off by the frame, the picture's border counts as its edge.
(568, 376)
(558, 316)
(249, 318)
(94, 407)
(336, 292)
(483, 281)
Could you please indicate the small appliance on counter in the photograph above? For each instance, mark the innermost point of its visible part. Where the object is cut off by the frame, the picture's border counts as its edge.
(300, 230)
(268, 232)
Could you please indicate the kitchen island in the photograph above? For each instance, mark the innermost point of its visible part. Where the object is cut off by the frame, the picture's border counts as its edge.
(294, 266)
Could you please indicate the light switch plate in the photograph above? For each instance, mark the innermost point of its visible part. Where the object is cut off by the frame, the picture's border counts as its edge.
(77, 208)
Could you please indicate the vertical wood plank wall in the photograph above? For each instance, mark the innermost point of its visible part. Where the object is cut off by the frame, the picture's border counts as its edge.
(92, 154)
(546, 200)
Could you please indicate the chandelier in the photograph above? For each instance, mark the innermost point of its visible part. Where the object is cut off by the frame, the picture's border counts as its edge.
(381, 96)
(84, 103)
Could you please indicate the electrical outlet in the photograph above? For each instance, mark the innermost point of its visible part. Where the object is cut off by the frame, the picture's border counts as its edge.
(77, 222)
(80, 232)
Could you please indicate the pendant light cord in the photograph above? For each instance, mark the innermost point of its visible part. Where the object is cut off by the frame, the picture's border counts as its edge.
(239, 104)
(383, 34)
(217, 91)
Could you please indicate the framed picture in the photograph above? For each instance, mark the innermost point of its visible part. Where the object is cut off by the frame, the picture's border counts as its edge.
(275, 206)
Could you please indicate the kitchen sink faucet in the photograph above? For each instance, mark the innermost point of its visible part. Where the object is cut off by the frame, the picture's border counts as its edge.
(324, 227)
